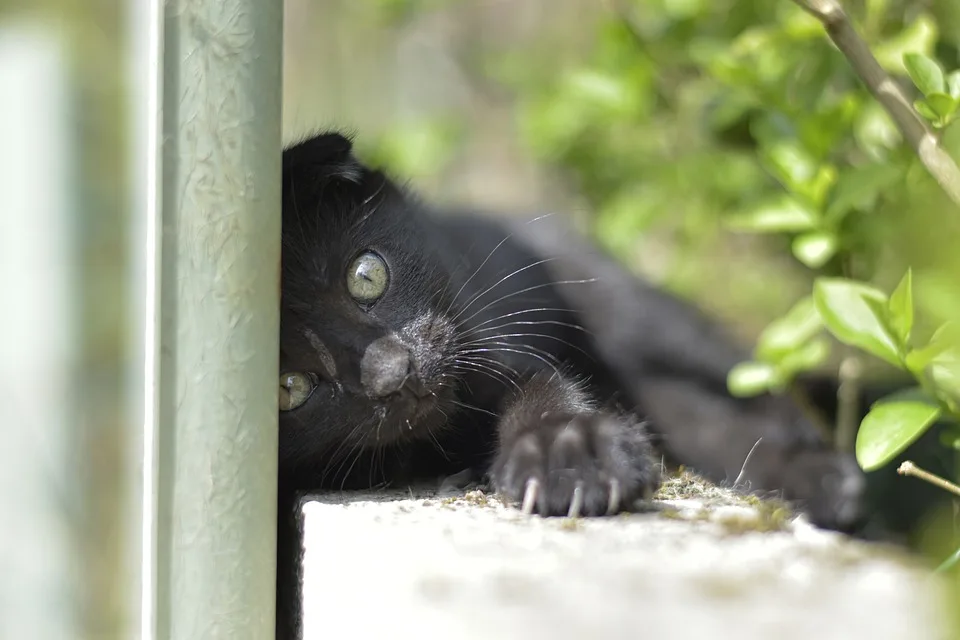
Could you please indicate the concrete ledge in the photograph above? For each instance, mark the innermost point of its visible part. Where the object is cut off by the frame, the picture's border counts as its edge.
(420, 565)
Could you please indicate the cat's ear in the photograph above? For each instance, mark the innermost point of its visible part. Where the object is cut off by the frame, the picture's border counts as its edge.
(327, 156)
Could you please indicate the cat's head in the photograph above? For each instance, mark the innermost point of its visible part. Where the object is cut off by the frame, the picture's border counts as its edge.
(364, 337)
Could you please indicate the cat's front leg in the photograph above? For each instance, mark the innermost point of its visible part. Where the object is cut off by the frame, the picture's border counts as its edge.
(560, 455)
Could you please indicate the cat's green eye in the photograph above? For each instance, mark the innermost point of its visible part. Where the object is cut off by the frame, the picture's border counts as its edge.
(295, 389)
(367, 278)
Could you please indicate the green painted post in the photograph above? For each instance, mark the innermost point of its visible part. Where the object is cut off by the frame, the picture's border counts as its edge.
(216, 380)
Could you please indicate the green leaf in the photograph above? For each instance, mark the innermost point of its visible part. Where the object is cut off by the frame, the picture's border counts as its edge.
(751, 379)
(875, 12)
(817, 188)
(807, 357)
(947, 333)
(781, 214)
(945, 373)
(859, 188)
(800, 25)
(918, 359)
(910, 394)
(942, 104)
(789, 163)
(823, 129)
(925, 73)
(683, 9)
(943, 341)
(609, 92)
(953, 84)
(815, 248)
(919, 36)
(731, 70)
(925, 110)
(950, 438)
(901, 308)
(844, 306)
(891, 427)
(875, 132)
(790, 331)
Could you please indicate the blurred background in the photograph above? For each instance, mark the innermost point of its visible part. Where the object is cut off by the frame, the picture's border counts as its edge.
(645, 121)
(722, 149)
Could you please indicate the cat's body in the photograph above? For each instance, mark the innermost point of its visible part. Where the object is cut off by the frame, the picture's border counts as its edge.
(417, 346)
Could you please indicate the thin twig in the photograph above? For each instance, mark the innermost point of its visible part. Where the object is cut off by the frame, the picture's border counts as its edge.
(908, 468)
(888, 93)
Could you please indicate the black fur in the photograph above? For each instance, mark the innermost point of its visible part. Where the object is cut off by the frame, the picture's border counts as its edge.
(517, 350)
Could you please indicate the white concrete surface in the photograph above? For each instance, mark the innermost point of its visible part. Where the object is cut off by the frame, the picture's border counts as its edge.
(395, 565)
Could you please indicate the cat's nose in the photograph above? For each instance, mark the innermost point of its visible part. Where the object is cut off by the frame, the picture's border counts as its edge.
(387, 368)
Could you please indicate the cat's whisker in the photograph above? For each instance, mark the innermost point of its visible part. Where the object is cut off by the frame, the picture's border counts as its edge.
(485, 260)
(373, 210)
(476, 297)
(355, 446)
(475, 408)
(554, 364)
(371, 472)
(524, 290)
(360, 451)
(493, 346)
(476, 330)
(353, 442)
(465, 368)
(510, 347)
(437, 445)
(529, 335)
(477, 270)
(490, 361)
(336, 455)
(492, 373)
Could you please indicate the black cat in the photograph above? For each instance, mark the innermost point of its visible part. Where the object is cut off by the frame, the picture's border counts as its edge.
(417, 345)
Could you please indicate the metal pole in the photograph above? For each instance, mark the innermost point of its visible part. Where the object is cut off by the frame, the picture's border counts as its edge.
(216, 420)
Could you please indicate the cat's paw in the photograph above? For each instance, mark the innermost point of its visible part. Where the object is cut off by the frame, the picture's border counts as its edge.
(576, 464)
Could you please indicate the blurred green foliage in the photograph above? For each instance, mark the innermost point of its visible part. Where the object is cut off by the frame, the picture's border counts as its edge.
(702, 119)
(415, 148)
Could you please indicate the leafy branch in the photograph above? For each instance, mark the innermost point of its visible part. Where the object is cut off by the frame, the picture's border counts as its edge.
(888, 93)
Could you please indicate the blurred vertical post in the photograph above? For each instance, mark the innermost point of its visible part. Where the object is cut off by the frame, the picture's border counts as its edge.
(40, 538)
(215, 435)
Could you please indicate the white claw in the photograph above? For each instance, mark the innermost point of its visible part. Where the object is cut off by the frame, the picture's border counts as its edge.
(614, 504)
(530, 496)
(576, 503)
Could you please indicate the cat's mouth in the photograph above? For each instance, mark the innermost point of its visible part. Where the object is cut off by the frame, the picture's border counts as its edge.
(408, 412)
